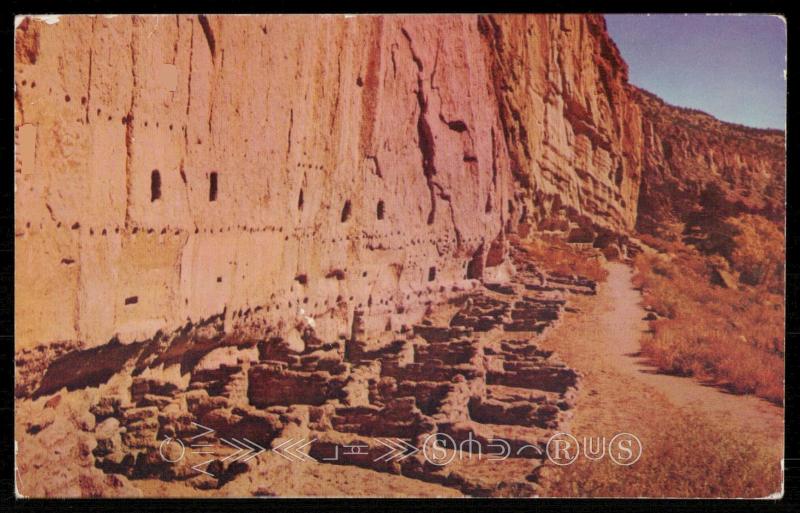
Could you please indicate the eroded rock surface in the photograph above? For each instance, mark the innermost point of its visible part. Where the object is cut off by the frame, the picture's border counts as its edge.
(687, 152)
(237, 167)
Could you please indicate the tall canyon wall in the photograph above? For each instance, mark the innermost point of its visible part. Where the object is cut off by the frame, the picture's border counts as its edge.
(267, 171)
(572, 129)
(687, 151)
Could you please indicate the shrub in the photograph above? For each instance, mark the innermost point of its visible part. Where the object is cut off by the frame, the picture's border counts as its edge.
(758, 253)
(732, 336)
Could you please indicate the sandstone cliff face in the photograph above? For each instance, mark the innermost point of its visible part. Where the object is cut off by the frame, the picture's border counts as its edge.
(263, 174)
(174, 169)
(572, 128)
(685, 151)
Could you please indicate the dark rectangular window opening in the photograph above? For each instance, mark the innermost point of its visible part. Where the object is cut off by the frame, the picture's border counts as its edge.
(155, 185)
(131, 300)
(212, 187)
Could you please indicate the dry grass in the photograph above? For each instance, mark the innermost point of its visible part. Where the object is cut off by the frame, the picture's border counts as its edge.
(557, 256)
(758, 253)
(734, 337)
(704, 461)
(731, 336)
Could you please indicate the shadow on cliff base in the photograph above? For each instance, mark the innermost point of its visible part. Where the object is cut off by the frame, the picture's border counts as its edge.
(86, 368)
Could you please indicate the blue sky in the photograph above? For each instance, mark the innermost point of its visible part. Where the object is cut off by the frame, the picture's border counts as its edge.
(731, 67)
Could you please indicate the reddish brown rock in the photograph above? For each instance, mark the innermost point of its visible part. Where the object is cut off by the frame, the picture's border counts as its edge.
(687, 152)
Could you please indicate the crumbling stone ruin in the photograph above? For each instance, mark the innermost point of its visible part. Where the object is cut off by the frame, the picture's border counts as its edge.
(471, 386)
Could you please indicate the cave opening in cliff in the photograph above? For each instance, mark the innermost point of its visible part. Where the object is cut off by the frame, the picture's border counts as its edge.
(212, 187)
(475, 265)
(346, 211)
(300, 200)
(381, 209)
(432, 273)
(155, 185)
(619, 174)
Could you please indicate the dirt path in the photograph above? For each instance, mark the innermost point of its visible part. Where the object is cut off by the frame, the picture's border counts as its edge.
(620, 392)
(621, 328)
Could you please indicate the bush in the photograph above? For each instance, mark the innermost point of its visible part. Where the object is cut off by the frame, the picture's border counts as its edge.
(732, 336)
(758, 253)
